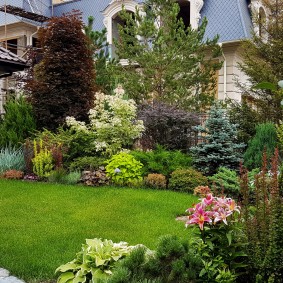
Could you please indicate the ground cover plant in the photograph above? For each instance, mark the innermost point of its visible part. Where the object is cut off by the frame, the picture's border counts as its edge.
(43, 225)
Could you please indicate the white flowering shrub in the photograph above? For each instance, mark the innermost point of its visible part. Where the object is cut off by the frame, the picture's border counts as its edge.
(112, 120)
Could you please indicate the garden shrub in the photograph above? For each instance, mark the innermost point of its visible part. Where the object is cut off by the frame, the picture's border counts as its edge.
(173, 261)
(11, 158)
(112, 121)
(162, 161)
(186, 180)
(124, 169)
(220, 147)
(226, 182)
(18, 123)
(94, 262)
(202, 191)
(264, 139)
(155, 181)
(168, 126)
(87, 163)
(96, 177)
(42, 161)
(13, 174)
(61, 176)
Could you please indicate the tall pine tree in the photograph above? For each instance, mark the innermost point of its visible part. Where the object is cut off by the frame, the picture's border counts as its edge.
(166, 60)
(220, 147)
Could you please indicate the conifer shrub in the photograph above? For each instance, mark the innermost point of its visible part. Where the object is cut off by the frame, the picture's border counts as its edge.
(265, 139)
(167, 126)
(18, 123)
(155, 181)
(173, 261)
(226, 181)
(220, 147)
(185, 180)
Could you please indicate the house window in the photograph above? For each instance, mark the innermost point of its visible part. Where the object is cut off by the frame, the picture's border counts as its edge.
(12, 45)
(185, 12)
(112, 20)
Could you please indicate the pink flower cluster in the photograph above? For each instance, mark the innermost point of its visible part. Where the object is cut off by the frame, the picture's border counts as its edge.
(212, 210)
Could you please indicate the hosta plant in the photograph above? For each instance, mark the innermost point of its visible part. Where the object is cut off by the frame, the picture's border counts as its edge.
(95, 262)
(124, 169)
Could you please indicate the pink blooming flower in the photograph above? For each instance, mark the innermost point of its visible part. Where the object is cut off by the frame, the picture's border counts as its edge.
(221, 215)
(232, 205)
(199, 217)
(208, 200)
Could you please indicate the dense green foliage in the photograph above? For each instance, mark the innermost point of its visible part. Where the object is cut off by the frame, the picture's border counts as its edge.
(246, 118)
(42, 219)
(162, 161)
(177, 62)
(186, 180)
(11, 158)
(225, 181)
(87, 163)
(263, 61)
(265, 139)
(173, 261)
(168, 126)
(124, 169)
(18, 123)
(220, 147)
(62, 83)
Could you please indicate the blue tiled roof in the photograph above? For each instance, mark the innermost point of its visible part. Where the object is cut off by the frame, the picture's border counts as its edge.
(88, 8)
(228, 18)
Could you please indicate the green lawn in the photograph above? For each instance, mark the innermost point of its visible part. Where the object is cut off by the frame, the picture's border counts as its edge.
(43, 225)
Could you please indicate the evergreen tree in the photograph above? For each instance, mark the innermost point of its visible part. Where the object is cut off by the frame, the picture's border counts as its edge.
(166, 59)
(99, 47)
(265, 139)
(220, 147)
(263, 59)
(63, 82)
(18, 122)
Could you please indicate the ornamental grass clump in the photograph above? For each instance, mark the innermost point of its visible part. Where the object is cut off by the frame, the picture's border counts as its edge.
(11, 158)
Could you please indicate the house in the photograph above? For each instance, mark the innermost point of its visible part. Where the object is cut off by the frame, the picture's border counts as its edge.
(230, 19)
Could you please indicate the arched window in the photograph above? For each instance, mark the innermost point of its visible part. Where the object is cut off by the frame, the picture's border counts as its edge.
(112, 20)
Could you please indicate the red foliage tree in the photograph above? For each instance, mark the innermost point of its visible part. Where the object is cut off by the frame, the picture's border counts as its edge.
(63, 82)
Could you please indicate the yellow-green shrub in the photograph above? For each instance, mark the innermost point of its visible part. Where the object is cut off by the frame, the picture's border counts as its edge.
(42, 161)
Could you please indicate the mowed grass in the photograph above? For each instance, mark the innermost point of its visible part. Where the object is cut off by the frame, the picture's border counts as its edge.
(43, 225)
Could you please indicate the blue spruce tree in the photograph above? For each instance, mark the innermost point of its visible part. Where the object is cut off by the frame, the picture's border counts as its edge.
(219, 147)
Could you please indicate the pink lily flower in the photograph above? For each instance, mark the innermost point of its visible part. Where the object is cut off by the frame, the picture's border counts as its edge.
(221, 215)
(199, 217)
(208, 200)
(232, 205)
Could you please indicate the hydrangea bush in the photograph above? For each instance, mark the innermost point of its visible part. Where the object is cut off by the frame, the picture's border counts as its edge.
(112, 120)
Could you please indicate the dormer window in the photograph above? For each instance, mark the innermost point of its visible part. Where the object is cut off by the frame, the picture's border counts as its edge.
(185, 12)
